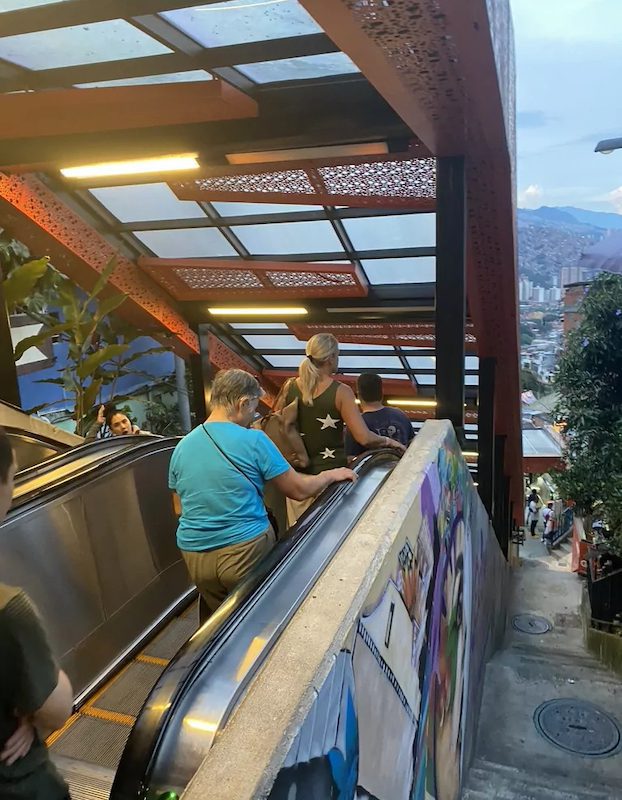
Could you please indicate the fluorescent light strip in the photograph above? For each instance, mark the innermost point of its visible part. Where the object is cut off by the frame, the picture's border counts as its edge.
(412, 403)
(140, 166)
(291, 311)
(470, 454)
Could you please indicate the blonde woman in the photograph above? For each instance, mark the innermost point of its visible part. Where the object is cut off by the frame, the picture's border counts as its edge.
(325, 406)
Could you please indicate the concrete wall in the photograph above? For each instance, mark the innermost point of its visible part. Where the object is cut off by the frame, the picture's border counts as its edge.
(374, 689)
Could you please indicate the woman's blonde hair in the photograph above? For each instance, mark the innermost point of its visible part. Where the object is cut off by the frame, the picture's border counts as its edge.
(320, 348)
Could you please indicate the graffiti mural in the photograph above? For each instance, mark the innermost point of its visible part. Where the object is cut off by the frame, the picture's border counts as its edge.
(397, 717)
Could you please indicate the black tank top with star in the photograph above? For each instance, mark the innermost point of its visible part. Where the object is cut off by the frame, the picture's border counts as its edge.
(321, 428)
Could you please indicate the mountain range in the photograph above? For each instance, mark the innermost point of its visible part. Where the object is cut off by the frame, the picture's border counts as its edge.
(550, 238)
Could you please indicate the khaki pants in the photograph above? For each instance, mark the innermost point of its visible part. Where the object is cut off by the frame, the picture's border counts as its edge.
(296, 508)
(217, 572)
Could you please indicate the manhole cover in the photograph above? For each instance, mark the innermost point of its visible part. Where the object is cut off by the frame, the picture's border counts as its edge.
(529, 623)
(578, 727)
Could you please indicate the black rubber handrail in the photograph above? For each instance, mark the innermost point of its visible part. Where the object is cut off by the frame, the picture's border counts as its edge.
(56, 486)
(166, 697)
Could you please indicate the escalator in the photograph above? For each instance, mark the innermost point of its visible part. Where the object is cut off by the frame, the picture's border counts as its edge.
(119, 747)
(90, 536)
(34, 440)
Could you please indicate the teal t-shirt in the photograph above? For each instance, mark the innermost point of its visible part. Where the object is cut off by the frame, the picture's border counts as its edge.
(219, 506)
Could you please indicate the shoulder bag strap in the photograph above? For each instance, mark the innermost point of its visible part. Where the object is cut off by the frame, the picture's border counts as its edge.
(233, 464)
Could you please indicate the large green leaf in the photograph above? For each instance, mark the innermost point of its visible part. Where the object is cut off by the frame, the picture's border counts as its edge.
(103, 279)
(109, 305)
(92, 363)
(22, 280)
(39, 339)
(136, 356)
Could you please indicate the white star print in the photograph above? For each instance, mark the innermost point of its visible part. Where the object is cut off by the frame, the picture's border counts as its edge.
(327, 453)
(328, 421)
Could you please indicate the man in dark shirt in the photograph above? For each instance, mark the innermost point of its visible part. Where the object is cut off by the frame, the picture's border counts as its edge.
(384, 421)
(35, 696)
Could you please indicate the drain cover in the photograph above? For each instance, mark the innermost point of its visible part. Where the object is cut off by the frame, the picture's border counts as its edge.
(529, 623)
(578, 727)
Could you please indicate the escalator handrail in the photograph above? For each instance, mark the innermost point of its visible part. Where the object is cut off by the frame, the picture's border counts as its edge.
(148, 731)
(103, 465)
(36, 437)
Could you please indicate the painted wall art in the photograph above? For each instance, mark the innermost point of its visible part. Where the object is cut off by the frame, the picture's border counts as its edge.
(397, 717)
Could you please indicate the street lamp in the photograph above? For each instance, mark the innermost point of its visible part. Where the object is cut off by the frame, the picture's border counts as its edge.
(607, 146)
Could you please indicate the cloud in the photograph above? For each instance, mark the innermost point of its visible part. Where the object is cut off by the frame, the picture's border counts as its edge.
(531, 197)
(615, 198)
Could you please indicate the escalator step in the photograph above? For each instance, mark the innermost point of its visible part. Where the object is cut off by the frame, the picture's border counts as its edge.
(127, 693)
(85, 781)
(94, 741)
(167, 643)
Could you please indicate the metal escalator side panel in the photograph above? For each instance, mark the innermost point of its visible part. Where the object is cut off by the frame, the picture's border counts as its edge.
(30, 449)
(198, 691)
(99, 560)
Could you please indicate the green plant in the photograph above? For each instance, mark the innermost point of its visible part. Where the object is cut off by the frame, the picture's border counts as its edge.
(589, 383)
(163, 418)
(78, 324)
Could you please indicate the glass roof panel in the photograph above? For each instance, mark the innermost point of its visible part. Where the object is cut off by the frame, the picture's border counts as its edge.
(471, 380)
(471, 362)
(240, 21)
(426, 380)
(400, 270)
(370, 362)
(422, 362)
(111, 40)
(299, 69)
(273, 342)
(248, 209)
(283, 361)
(15, 5)
(186, 243)
(166, 77)
(289, 237)
(146, 201)
(399, 230)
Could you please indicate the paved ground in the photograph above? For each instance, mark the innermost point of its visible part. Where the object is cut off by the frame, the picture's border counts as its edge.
(513, 761)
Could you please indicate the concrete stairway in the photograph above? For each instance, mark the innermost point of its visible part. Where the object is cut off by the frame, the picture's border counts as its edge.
(512, 760)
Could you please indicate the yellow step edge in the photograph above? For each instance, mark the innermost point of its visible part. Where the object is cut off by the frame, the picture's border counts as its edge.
(108, 716)
(159, 662)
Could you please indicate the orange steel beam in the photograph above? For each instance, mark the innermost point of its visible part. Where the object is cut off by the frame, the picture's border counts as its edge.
(33, 214)
(71, 111)
(226, 279)
(383, 181)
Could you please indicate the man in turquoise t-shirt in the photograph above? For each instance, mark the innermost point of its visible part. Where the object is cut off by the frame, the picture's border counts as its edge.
(219, 472)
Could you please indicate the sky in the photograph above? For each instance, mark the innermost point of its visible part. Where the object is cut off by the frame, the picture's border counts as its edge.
(569, 97)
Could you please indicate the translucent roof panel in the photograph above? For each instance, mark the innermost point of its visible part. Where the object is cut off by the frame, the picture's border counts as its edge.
(15, 5)
(167, 77)
(471, 380)
(370, 362)
(291, 362)
(422, 362)
(537, 442)
(399, 230)
(146, 201)
(400, 270)
(240, 21)
(248, 209)
(471, 362)
(273, 342)
(426, 380)
(299, 69)
(190, 243)
(112, 40)
(289, 237)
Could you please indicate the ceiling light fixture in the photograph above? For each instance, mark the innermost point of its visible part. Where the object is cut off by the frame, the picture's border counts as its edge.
(412, 403)
(249, 311)
(470, 454)
(139, 166)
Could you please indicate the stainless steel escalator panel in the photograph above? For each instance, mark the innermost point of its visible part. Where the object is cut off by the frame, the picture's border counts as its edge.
(202, 705)
(99, 560)
(29, 449)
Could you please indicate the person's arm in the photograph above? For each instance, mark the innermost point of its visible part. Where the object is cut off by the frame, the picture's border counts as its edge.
(44, 698)
(96, 427)
(353, 419)
(298, 486)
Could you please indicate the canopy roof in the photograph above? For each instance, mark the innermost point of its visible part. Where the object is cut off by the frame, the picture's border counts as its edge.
(317, 125)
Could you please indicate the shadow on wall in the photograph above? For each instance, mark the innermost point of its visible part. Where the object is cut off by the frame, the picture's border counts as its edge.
(397, 716)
